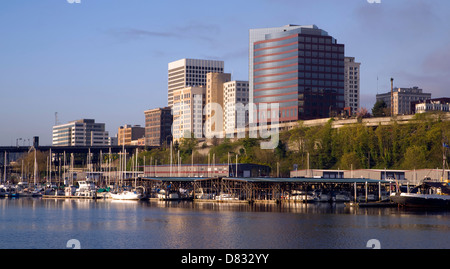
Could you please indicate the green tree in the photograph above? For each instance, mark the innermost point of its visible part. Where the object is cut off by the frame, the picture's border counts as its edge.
(415, 158)
(380, 109)
(350, 160)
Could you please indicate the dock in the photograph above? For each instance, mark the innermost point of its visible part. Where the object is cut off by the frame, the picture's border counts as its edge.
(371, 204)
(71, 197)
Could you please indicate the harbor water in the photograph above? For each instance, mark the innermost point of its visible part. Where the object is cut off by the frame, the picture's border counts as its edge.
(36, 223)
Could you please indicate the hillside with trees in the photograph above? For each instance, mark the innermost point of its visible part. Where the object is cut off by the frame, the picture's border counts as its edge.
(415, 145)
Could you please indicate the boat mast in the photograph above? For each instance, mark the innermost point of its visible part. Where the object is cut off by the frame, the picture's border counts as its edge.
(35, 167)
(443, 163)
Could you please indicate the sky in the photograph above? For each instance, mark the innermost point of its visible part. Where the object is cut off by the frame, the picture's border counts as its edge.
(107, 59)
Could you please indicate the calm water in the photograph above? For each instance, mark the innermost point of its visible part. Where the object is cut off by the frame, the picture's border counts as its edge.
(30, 223)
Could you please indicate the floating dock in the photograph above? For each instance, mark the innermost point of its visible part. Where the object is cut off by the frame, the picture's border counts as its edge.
(71, 197)
(371, 204)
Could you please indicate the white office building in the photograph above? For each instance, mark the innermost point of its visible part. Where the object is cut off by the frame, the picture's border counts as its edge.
(352, 76)
(84, 132)
(190, 72)
(235, 92)
(187, 112)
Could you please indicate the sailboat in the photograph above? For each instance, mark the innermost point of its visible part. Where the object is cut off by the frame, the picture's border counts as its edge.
(130, 194)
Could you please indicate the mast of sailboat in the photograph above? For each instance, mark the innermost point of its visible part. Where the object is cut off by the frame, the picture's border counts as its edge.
(64, 168)
(4, 168)
(135, 169)
(443, 162)
(170, 159)
(50, 165)
(35, 167)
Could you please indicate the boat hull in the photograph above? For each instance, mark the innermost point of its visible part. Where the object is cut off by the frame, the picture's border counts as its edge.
(422, 200)
(130, 196)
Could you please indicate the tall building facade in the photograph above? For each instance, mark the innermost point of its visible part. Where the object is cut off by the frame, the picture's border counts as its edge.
(187, 112)
(158, 127)
(190, 72)
(130, 134)
(84, 132)
(403, 97)
(215, 95)
(258, 35)
(301, 68)
(234, 93)
(352, 84)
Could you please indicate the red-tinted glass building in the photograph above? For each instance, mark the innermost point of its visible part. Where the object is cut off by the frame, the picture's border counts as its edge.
(300, 69)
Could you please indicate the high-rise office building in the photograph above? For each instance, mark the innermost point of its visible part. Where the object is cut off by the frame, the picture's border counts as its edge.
(258, 35)
(352, 83)
(234, 93)
(187, 112)
(299, 67)
(158, 127)
(84, 132)
(214, 95)
(190, 72)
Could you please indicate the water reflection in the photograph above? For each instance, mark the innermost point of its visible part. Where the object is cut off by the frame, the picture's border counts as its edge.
(49, 223)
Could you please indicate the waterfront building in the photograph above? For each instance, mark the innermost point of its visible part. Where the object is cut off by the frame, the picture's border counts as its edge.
(301, 68)
(190, 72)
(412, 177)
(403, 98)
(244, 170)
(128, 135)
(352, 75)
(158, 127)
(437, 104)
(234, 92)
(215, 95)
(187, 112)
(84, 132)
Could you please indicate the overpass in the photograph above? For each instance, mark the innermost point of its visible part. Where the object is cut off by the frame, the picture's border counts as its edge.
(69, 149)
(14, 153)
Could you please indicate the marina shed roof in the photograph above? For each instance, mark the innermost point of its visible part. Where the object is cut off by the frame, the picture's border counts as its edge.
(272, 180)
(311, 180)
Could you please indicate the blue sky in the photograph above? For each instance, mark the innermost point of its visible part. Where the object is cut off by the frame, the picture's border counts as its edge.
(107, 59)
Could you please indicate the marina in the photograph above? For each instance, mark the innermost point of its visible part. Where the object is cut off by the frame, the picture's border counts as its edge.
(232, 190)
(352, 192)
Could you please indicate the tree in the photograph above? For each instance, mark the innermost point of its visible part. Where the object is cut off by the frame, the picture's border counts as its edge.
(28, 164)
(415, 158)
(362, 113)
(350, 160)
(380, 109)
(280, 150)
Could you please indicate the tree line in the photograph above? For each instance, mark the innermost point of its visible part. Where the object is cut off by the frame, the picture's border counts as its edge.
(414, 145)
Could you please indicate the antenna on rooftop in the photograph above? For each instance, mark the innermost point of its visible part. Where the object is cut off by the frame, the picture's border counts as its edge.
(56, 118)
